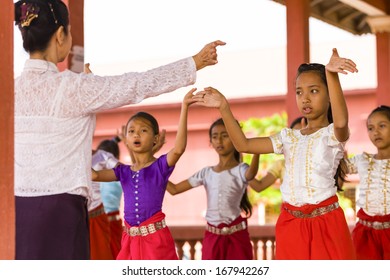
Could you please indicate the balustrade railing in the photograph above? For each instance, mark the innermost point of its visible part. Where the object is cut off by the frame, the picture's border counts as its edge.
(188, 240)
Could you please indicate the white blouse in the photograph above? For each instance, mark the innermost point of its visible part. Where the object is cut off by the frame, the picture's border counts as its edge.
(374, 185)
(224, 192)
(311, 163)
(100, 160)
(55, 119)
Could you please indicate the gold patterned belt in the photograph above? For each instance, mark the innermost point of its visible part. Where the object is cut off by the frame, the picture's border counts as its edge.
(96, 212)
(113, 218)
(375, 224)
(226, 230)
(316, 212)
(145, 230)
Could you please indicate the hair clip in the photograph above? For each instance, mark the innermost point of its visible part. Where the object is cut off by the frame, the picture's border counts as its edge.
(29, 12)
(52, 12)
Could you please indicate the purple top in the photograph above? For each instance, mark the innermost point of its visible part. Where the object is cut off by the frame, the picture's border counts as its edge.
(143, 190)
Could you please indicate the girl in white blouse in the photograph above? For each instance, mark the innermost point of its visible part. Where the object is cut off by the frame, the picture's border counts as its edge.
(371, 235)
(54, 125)
(226, 236)
(311, 224)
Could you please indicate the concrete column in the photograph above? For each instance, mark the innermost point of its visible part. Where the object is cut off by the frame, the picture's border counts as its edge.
(75, 60)
(383, 68)
(298, 48)
(7, 199)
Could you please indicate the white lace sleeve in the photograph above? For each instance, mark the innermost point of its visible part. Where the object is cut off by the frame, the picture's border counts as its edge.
(82, 94)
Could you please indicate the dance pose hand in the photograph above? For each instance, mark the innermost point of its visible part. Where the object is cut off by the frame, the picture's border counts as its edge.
(340, 65)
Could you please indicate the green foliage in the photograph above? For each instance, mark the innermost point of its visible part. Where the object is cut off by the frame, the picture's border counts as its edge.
(262, 127)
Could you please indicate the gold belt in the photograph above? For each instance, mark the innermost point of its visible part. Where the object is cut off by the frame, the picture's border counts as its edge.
(145, 230)
(316, 212)
(96, 212)
(375, 224)
(112, 218)
(226, 230)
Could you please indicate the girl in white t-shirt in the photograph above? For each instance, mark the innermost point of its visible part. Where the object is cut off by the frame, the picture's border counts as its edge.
(226, 236)
(371, 235)
(311, 224)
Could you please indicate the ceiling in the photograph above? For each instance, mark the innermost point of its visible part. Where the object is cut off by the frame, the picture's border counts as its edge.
(355, 16)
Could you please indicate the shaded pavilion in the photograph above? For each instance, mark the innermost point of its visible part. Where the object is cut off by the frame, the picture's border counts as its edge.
(354, 16)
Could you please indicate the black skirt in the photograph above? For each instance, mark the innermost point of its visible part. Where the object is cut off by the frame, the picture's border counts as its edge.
(53, 227)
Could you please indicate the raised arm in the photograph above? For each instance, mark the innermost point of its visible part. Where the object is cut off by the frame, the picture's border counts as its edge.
(261, 184)
(339, 107)
(253, 168)
(174, 189)
(181, 137)
(211, 97)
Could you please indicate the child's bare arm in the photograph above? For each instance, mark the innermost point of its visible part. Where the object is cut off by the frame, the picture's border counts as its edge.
(106, 175)
(253, 168)
(181, 137)
(174, 189)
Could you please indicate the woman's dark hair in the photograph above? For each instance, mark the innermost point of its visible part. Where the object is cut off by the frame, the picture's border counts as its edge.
(383, 109)
(109, 146)
(320, 70)
(149, 118)
(245, 204)
(38, 20)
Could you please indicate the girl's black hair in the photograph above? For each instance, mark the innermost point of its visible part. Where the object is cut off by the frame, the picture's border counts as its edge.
(146, 116)
(319, 69)
(245, 204)
(297, 121)
(383, 109)
(38, 20)
(109, 146)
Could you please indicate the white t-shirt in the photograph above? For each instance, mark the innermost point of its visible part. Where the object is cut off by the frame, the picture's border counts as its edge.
(224, 192)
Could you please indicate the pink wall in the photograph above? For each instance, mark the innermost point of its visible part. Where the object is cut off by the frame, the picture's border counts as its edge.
(189, 207)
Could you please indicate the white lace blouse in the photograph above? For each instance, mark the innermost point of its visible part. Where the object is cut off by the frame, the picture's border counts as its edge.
(311, 162)
(374, 185)
(224, 192)
(55, 119)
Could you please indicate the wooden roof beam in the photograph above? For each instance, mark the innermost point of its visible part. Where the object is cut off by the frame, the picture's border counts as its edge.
(371, 8)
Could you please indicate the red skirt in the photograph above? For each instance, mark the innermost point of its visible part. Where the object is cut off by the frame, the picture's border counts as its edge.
(235, 246)
(371, 243)
(116, 227)
(323, 237)
(154, 246)
(99, 232)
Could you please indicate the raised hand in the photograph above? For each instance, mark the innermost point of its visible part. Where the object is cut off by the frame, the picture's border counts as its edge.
(340, 65)
(210, 97)
(208, 55)
(188, 98)
(86, 68)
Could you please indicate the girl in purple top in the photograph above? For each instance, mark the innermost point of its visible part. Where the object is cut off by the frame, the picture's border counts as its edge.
(146, 236)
